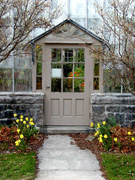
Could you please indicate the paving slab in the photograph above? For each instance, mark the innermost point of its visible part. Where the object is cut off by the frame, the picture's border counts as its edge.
(59, 159)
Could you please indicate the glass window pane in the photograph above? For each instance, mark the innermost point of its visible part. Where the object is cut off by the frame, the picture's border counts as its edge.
(56, 70)
(6, 79)
(56, 85)
(23, 61)
(39, 68)
(79, 85)
(23, 79)
(39, 83)
(38, 53)
(56, 55)
(96, 59)
(68, 55)
(67, 85)
(96, 69)
(96, 83)
(67, 70)
(79, 70)
(79, 55)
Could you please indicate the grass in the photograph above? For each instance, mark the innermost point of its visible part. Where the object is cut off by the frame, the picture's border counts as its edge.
(17, 166)
(119, 166)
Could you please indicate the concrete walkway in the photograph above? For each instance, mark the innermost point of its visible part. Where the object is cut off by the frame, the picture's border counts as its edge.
(59, 160)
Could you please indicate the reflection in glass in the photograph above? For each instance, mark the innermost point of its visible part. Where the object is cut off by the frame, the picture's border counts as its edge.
(56, 70)
(96, 69)
(67, 70)
(6, 79)
(56, 55)
(38, 53)
(68, 55)
(39, 83)
(67, 85)
(56, 85)
(79, 85)
(39, 68)
(79, 55)
(79, 70)
(96, 83)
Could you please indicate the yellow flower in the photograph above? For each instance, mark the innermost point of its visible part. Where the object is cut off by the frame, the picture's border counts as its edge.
(27, 126)
(27, 118)
(115, 139)
(96, 133)
(18, 130)
(129, 133)
(133, 138)
(101, 135)
(104, 122)
(17, 143)
(32, 123)
(21, 136)
(21, 116)
(15, 115)
(100, 139)
(98, 125)
(19, 140)
(17, 120)
(92, 124)
(105, 136)
(31, 119)
(21, 120)
(24, 122)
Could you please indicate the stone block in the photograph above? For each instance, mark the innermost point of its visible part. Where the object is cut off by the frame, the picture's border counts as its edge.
(8, 113)
(132, 124)
(113, 108)
(130, 116)
(98, 110)
(128, 109)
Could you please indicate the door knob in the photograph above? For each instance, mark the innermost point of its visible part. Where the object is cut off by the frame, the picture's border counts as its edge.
(48, 86)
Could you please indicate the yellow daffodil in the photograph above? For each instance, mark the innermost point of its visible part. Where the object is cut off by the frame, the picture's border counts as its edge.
(17, 143)
(96, 133)
(19, 140)
(133, 138)
(27, 118)
(104, 122)
(24, 122)
(32, 123)
(27, 126)
(115, 139)
(31, 119)
(15, 115)
(21, 136)
(129, 133)
(92, 124)
(98, 125)
(101, 135)
(100, 139)
(21, 120)
(17, 120)
(18, 130)
(105, 136)
(21, 116)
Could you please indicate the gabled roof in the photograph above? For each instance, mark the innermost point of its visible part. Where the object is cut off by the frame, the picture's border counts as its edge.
(61, 24)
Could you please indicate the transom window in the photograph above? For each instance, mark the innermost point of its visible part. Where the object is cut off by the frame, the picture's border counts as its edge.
(68, 70)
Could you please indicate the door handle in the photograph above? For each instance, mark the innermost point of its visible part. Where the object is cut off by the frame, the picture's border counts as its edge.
(48, 86)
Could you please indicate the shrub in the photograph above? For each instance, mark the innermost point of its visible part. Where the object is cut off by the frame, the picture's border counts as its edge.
(113, 137)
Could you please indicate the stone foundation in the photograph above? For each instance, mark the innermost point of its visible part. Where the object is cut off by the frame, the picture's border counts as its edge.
(27, 104)
(120, 106)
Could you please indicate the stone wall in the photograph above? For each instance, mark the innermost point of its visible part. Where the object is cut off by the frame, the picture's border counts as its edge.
(121, 106)
(27, 104)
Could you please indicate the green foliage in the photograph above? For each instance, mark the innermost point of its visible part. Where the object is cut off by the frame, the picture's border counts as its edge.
(119, 166)
(17, 166)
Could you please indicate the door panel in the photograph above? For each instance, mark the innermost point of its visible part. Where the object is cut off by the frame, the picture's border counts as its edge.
(67, 82)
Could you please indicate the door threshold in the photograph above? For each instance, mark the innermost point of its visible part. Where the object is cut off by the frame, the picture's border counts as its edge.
(66, 129)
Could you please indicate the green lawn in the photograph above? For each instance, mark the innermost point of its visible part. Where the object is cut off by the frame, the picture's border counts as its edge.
(118, 166)
(17, 166)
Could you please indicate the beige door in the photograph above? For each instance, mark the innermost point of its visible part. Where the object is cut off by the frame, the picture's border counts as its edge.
(67, 84)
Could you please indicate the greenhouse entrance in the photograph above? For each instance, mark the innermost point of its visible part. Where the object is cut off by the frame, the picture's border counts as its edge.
(67, 86)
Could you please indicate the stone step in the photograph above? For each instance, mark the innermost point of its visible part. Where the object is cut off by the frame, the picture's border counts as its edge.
(66, 129)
